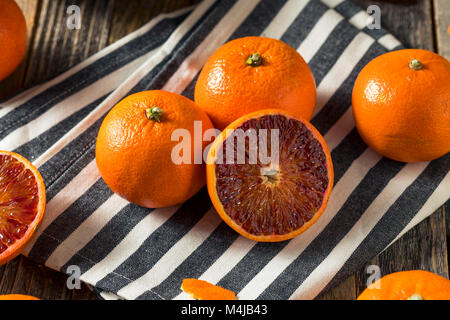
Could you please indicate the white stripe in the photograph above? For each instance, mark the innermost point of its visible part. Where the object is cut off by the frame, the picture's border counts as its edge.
(173, 257)
(319, 34)
(128, 245)
(343, 189)
(342, 68)
(231, 257)
(439, 196)
(340, 129)
(361, 19)
(128, 84)
(21, 98)
(85, 232)
(70, 105)
(65, 198)
(221, 32)
(284, 18)
(109, 296)
(332, 3)
(327, 269)
(389, 41)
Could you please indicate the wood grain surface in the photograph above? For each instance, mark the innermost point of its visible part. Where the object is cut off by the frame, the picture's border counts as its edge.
(52, 48)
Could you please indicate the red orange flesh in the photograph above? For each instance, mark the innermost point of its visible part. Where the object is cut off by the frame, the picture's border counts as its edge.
(22, 203)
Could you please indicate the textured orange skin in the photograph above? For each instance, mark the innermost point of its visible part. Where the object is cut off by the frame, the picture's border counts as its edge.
(17, 297)
(227, 88)
(211, 177)
(13, 37)
(14, 250)
(133, 153)
(203, 290)
(402, 113)
(402, 285)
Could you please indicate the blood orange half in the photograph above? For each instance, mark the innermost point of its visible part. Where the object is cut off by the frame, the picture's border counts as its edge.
(271, 198)
(22, 203)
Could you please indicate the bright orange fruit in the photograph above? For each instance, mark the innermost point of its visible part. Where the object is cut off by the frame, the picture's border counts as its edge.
(17, 297)
(255, 73)
(134, 149)
(203, 290)
(408, 285)
(13, 37)
(270, 199)
(22, 203)
(401, 105)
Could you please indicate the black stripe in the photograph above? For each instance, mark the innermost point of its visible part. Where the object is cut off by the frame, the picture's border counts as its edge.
(365, 193)
(185, 47)
(348, 9)
(46, 100)
(303, 23)
(108, 237)
(332, 49)
(199, 261)
(158, 243)
(341, 100)
(351, 147)
(69, 220)
(37, 146)
(396, 218)
(65, 176)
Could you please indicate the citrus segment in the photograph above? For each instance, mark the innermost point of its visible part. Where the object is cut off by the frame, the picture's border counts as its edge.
(270, 200)
(22, 203)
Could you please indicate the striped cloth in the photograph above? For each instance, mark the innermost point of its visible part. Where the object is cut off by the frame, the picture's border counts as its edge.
(130, 252)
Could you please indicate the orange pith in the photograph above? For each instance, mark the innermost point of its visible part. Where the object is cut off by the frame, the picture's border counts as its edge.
(22, 203)
(203, 290)
(271, 202)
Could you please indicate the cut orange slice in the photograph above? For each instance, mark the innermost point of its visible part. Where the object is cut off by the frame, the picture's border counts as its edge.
(270, 198)
(22, 203)
(203, 290)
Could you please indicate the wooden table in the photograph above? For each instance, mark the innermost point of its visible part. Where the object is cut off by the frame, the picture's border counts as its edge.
(52, 48)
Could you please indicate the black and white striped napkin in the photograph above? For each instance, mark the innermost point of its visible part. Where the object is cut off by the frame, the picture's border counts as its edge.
(130, 252)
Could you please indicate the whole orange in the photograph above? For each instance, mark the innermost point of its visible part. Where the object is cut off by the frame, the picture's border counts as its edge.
(253, 73)
(408, 285)
(401, 105)
(13, 37)
(139, 147)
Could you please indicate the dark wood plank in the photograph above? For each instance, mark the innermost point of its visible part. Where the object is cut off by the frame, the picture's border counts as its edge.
(442, 24)
(346, 290)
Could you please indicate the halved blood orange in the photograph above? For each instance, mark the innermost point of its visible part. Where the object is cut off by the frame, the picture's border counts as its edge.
(270, 200)
(22, 203)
